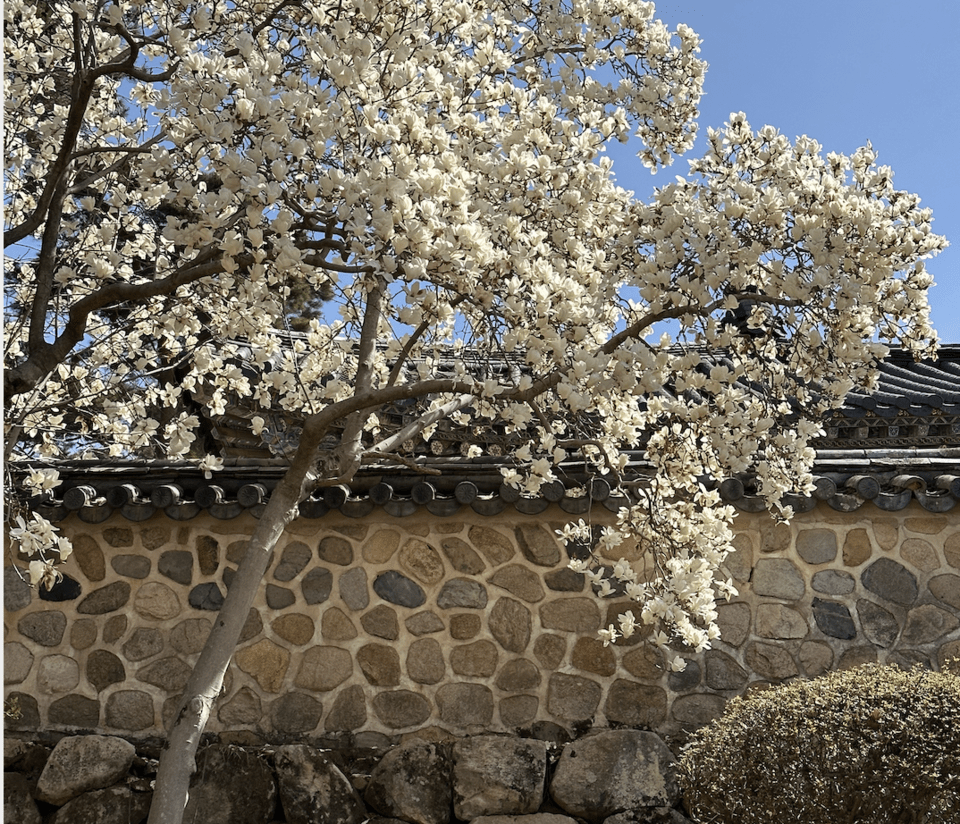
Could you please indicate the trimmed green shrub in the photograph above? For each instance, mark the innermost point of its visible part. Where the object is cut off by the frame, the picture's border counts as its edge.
(871, 745)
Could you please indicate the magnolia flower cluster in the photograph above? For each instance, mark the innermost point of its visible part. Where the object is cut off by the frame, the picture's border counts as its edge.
(435, 171)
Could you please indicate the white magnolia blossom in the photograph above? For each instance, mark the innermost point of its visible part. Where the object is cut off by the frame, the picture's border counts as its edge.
(436, 170)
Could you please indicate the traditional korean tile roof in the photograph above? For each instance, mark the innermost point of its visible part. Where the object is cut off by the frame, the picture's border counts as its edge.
(898, 443)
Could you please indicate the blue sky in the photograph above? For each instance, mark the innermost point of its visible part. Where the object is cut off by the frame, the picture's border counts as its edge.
(842, 72)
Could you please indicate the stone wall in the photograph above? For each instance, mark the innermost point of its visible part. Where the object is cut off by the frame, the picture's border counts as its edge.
(467, 623)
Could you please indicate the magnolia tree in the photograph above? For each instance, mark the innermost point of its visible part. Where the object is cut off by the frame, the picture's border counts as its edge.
(178, 172)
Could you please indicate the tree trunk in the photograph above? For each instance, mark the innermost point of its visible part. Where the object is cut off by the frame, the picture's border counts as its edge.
(177, 761)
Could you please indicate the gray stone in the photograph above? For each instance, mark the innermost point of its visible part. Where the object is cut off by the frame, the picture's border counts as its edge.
(381, 622)
(770, 661)
(114, 627)
(45, 628)
(401, 708)
(17, 662)
(723, 672)
(498, 775)
(495, 547)
(636, 705)
(511, 624)
(157, 602)
(538, 545)
(295, 713)
(928, 623)
(316, 585)
(613, 771)
(243, 708)
(578, 615)
(379, 664)
(131, 566)
(412, 782)
(518, 675)
(462, 593)
(103, 669)
(646, 662)
(549, 650)
(780, 621)
(279, 598)
(817, 546)
(170, 674)
(177, 565)
(130, 710)
(734, 623)
(425, 661)
(18, 804)
(648, 815)
(778, 578)
(75, 711)
(349, 711)
(208, 554)
(590, 655)
(907, 659)
(919, 554)
(106, 599)
(856, 656)
(518, 710)
(462, 557)
(82, 763)
(686, 679)
(231, 786)
(519, 581)
(17, 594)
(335, 550)
(57, 674)
(324, 668)
(816, 658)
(190, 635)
(424, 623)
(353, 589)
(536, 818)
(293, 560)
(312, 789)
(697, 709)
(879, 625)
(833, 582)
(398, 589)
(252, 627)
(565, 580)
(465, 705)
(834, 619)
(21, 712)
(206, 596)
(946, 589)
(891, 581)
(572, 698)
(144, 642)
(113, 805)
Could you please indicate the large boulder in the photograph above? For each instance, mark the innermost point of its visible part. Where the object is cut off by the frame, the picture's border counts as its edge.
(412, 782)
(312, 789)
(81, 763)
(614, 771)
(231, 786)
(498, 775)
(113, 805)
(18, 803)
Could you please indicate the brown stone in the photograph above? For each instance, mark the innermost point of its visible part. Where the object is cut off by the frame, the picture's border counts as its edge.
(857, 656)
(156, 602)
(425, 661)
(118, 536)
(324, 668)
(920, 554)
(951, 550)
(519, 581)
(382, 622)
(734, 623)
(697, 709)
(879, 625)
(208, 554)
(476, 660)
(549, 650)
(779, 621)
(154, 537)
(928, 623)
(770, 661)
(267, 663)
(349, 711)
(493, 545)
(462, 557)
(89, 557)
(143, 643)
(723, 672)
(778, 578)
(252, 627)
(518, 675)
(422, 561)
(353, 589)
(465, 705)
(296, 628)
(774, 537)
(335, 550)
(379, 664)
(83, 633)
(579, 615)
(293, 560)
(946, 588)
(538, 545)
(243, 708)
(886, 531)
(646, 662)
(379, 547)
(114, 628)
(948, 657)
(45, 628)
(74, 711)
(130, 710)
(169, 674)
(189, 636)
(295, 713)
(57, 674)
(510, 624)
(424, 623)
(590, 655)
(464, 626)
(336, 626)
(739, 563)
(518, 710)
(565, 580)
(572, 698)
(356, 531)
(925, 526)
(105, 599)
(462, 593)
(856, 548)
(17, 662)
(401, 708)
(816, 658)
(639, 705)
